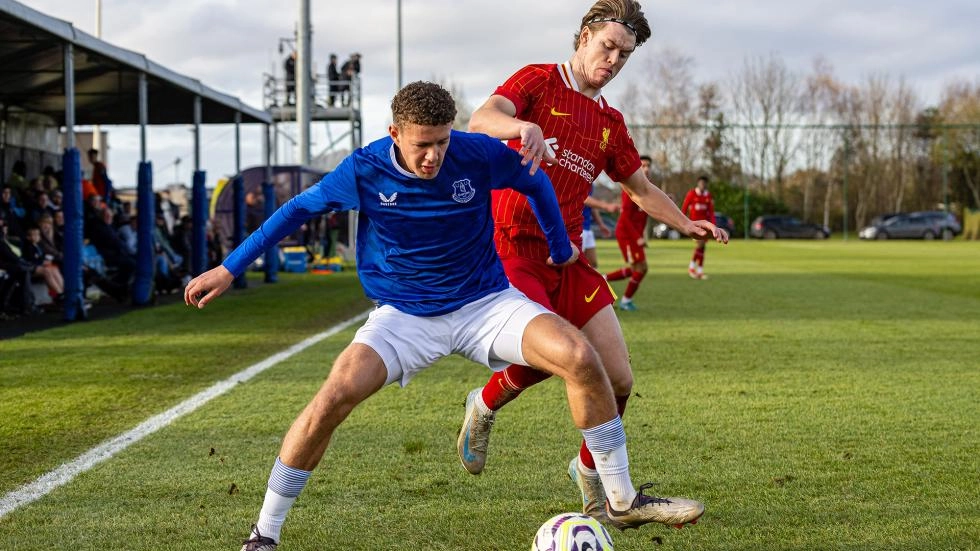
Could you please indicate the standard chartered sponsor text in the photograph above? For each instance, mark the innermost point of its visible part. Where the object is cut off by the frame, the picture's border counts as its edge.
(577, 164)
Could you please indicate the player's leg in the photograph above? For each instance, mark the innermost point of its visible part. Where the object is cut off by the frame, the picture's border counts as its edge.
(638, 265)
(626, 271)
(552, 344)
(702, 245)
(696, 267)
(356, 374)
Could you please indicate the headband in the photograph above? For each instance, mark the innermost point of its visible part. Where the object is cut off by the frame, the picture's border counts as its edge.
(623, 22)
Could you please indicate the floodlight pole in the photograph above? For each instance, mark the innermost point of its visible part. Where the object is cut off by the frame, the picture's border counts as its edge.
(399, 34)
(304, 90)
(96, 130)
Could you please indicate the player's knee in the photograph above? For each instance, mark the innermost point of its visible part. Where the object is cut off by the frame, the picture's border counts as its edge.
(581, 361)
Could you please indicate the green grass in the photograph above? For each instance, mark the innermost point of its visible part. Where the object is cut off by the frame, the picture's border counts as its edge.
(815, 395)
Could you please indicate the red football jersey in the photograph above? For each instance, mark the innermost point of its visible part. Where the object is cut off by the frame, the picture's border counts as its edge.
(701, 205)
(587, 136)
(632, 220)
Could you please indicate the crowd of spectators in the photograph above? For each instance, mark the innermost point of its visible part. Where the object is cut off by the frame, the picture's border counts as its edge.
(32, 241)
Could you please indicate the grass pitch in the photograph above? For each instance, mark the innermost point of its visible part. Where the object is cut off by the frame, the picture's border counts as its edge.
(815, 395)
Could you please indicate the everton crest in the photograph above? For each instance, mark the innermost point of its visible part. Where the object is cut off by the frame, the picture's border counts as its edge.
(463, 191)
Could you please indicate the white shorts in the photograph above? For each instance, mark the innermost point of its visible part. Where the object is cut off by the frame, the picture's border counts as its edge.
(588, 239)
(489, 331)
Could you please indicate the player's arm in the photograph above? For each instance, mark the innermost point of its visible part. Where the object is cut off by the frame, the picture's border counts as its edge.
(498, 118)
(591, 201)
(655, 202)
(600, 223)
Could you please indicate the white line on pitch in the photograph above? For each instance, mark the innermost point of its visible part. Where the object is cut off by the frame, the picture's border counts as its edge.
(62, 475)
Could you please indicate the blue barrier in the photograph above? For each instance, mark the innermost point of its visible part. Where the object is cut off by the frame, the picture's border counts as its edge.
(71, 205)
(272, 253)
(199, 215)
(146, 219)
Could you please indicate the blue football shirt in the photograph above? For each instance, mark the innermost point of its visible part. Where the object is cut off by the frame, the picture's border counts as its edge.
(423, 246)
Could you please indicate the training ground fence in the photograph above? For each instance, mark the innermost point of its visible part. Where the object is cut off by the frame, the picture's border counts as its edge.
(837, 175)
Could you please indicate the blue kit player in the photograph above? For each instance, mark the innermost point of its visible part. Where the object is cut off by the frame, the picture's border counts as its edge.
(425, 256)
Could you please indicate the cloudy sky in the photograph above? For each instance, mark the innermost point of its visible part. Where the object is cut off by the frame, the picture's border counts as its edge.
(476, 44)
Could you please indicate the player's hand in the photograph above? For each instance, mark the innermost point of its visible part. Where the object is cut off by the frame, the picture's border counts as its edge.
(605, 231)
(571, 259)
(208, 286)
(641, 243)
(702, 230)
(534, 149)
(612, 207)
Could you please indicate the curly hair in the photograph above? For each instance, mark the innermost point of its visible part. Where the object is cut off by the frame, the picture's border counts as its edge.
(423, 103)
(625, 12)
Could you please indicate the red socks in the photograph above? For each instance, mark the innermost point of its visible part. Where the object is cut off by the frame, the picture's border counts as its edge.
(622, 273)
(508, 384)
(634, 284)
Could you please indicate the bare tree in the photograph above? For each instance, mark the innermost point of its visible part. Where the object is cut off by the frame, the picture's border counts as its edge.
(766, 93)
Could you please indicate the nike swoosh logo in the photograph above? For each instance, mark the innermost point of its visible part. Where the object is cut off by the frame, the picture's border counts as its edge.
(558, 113)
(589, 298)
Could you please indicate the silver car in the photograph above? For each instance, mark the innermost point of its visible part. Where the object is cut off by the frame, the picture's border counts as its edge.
(914, 225)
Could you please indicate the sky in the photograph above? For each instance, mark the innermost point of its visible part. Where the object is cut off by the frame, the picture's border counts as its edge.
(476, 44)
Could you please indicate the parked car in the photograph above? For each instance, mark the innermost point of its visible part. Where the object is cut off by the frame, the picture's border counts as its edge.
(782, 226)
(914, 225)
(723, 221)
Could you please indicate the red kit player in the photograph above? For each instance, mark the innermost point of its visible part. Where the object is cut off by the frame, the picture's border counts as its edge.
(630, 229)
(555, 116)
(699, 205)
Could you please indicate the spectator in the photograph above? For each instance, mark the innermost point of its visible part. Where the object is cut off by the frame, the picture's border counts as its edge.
(126, 228)
(16, 296)
(42, 267)
(50, 179)
(56, 199)
(350, 70)
(100, 177)
(104, 238)
(49, 240)
(18, 178)
(59, 229)
(290, 66)
(183, 242)
(12, 213)
(333, 80)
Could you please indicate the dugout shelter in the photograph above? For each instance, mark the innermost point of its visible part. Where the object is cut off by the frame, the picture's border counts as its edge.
(59, 76)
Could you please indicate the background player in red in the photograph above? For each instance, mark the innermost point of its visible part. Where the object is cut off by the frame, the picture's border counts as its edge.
(699, 205)
(555, 114)
(630, 230)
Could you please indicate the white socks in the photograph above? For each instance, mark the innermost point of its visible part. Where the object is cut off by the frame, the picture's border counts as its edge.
(614, 470)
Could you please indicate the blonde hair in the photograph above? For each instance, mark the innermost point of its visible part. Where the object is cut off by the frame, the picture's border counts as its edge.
(622, 12)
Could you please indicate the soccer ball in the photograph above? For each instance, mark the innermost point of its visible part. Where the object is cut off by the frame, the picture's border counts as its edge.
(572, 532)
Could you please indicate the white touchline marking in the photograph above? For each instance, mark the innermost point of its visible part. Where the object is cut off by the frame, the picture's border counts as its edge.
(64, 474)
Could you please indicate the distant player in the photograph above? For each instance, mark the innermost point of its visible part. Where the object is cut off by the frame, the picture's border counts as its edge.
(699, 205)
(425, 255)
(630, 230)
(555, 114)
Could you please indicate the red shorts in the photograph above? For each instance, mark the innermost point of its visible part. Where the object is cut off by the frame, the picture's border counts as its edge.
(575, 292)
(632, 253)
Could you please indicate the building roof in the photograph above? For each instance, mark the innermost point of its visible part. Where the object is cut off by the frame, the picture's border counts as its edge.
(106, 77)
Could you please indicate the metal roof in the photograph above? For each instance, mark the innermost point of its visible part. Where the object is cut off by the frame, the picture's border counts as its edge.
(106, 77)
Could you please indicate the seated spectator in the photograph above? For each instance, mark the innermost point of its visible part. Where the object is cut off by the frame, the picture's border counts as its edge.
(12, 213)
(168, 262)
(126, 227)
(49, 240)
(50, 179)
(16, 297)
(18, 178)
(101, 234)
(43, 267)
(183, 241)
